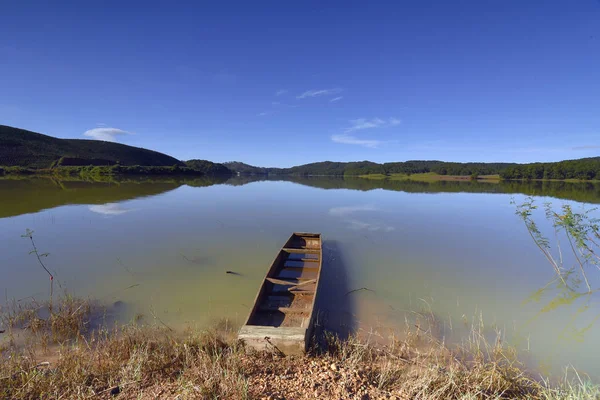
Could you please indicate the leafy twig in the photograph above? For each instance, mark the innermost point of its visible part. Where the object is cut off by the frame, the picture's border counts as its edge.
(29, 234)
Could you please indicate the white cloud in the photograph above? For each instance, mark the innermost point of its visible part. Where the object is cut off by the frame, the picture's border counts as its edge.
(109, 209)
(336, 99)
(363, 123)
(280, 92)
(347, 214)
(105, 133)
(349, 139)
(373, 227)
(264, 113)
(320, 92)
(343, 211)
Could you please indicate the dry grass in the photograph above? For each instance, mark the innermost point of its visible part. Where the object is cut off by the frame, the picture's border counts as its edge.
(140, 361)
(420, 367)
(152, 362)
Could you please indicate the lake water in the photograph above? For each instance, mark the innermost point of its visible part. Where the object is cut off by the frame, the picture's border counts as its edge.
(455, 250)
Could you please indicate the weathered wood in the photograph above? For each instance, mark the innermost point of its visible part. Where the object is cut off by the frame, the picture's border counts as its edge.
(304, 259)
(281, 339)
(273, 332)
(303, 283)
(276, 310)
(301, 251)
(288, 291)
(299, 264)
(291, 281)
(275, 298)
(298, 274)
(286, 310)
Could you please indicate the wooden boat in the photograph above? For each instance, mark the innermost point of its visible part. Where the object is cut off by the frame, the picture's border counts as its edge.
(282, 317)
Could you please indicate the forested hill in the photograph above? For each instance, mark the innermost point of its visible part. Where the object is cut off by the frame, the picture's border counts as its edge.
(368, 167)
(246, 169)
(585, 168)
(208, 167)
(23, 148)
(19, 147)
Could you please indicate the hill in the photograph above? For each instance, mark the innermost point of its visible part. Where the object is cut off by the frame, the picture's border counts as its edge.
(582, 169)
(208, 167)
(329, 168)
(368, 168)
(19, 147)
(246, 169)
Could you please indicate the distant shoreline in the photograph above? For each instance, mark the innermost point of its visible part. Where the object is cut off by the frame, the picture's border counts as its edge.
(87, 172)
(432, 177)
(105, 171)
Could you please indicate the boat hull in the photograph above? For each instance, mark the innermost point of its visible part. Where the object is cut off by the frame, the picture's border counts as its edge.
(283, 315)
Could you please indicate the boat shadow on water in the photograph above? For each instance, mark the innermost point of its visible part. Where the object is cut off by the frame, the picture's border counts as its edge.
(336, 310)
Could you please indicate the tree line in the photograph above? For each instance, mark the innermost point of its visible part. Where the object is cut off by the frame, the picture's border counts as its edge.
(585, 169)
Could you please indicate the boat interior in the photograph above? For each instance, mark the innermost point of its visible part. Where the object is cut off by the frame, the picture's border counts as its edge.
(287, 293)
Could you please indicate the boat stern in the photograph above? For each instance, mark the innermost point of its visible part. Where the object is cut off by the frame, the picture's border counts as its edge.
(287, 340)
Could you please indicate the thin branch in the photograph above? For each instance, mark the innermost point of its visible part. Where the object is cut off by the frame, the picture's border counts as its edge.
(548, 256)
(558, 246)
(359, 289)
(578, 261)
(29, 234)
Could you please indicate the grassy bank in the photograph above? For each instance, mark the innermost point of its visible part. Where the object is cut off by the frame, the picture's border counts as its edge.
(430, 177)
(433, 177)
(102, 172)
(59, 351)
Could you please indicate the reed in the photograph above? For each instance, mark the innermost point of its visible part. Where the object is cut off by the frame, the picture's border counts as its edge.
(143, 362)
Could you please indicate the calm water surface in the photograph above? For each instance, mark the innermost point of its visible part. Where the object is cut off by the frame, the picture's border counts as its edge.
(454, 250)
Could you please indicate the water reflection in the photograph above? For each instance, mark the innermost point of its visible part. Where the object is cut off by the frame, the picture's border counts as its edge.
(109, 209)
(29, 195)
(336, 310)
(588, 192)
(348, 214)
(34, 194)
(165, 247)
(577, 309)
(25, 196)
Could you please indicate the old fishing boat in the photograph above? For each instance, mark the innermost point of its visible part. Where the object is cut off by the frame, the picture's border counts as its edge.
(282, 317)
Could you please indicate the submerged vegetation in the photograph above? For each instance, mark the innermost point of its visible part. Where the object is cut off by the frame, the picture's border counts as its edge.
(56, 350)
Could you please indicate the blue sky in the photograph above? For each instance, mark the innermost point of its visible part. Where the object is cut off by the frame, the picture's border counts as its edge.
(282, 83)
